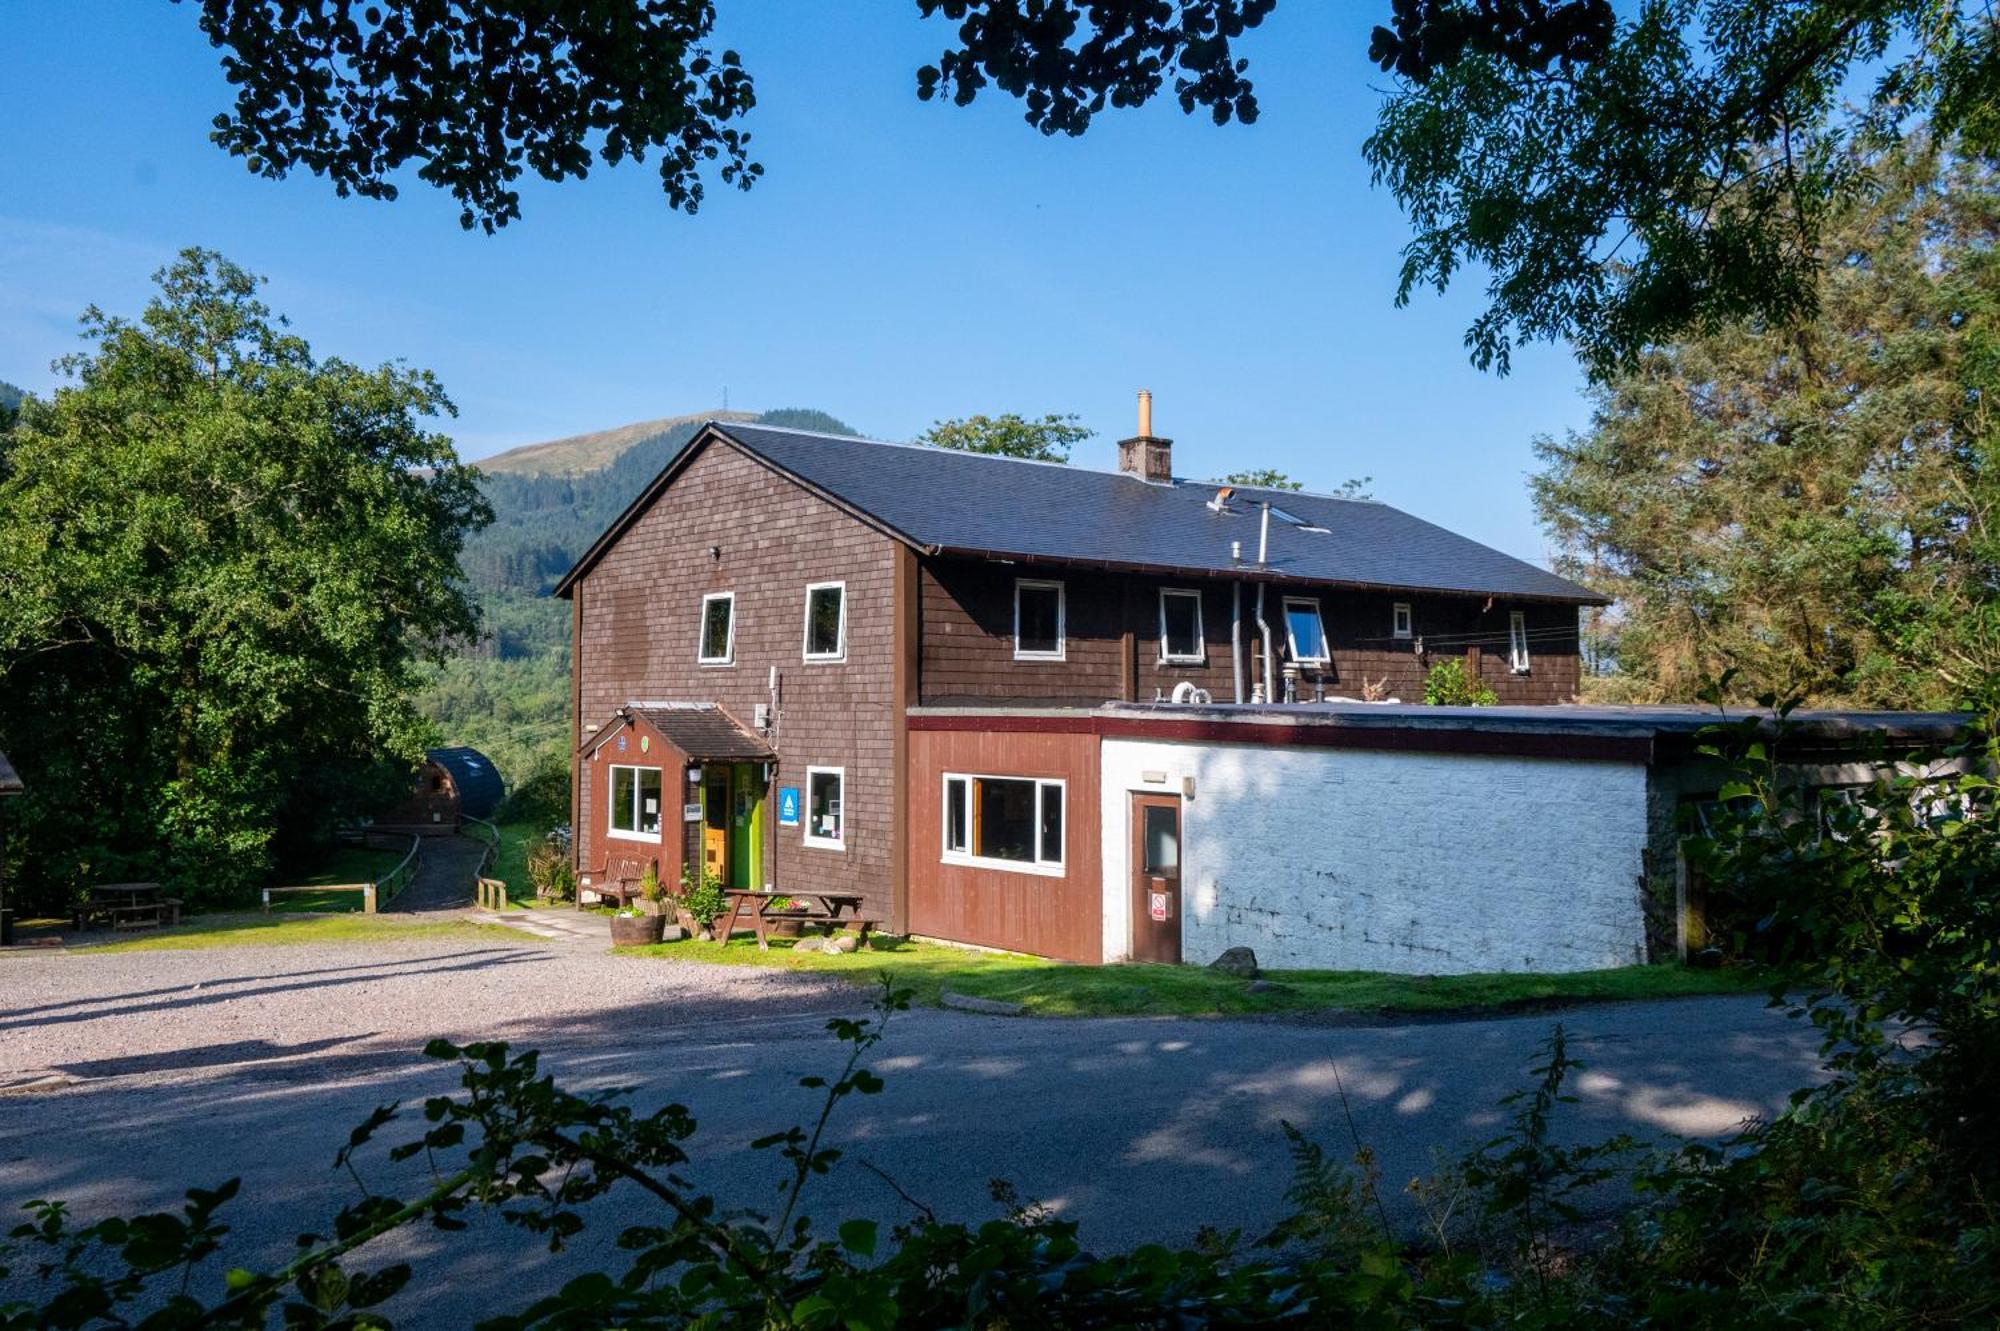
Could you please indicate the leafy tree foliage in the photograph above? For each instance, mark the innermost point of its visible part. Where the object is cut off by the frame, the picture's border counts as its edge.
(1622, 180)
(221, 562)
(1267, 478)
(1047, 439)
(1629, 180)
(1816, 507)
(477, 93)
(1263, 478)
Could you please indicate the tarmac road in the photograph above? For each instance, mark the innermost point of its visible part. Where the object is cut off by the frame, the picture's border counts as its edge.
(184, 1068)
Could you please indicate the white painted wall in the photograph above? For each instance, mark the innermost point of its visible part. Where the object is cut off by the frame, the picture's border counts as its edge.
(1422, 864)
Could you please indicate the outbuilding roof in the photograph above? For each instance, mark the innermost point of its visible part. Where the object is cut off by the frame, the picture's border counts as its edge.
(947, 502)
(475, 778)
(10, 781)
(701, 730)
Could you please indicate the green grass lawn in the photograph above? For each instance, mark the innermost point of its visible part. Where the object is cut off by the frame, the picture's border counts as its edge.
(341, 864)
(256, 929)
(1057, 989)
(511, 865)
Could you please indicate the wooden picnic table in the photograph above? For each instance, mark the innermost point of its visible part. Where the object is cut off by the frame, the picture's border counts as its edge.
(828, 908)
(128, 906)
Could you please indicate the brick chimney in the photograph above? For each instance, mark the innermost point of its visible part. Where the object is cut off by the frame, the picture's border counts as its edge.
(1145, 454)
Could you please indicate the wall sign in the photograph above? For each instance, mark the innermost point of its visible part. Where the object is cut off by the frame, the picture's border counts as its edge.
(1158, 905)
(690, 813)
(788, 806)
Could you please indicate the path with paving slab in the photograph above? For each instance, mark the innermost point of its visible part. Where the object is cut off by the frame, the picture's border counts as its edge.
(182, 1068)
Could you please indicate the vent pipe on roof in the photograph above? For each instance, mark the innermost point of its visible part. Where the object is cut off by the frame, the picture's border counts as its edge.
(1146, 455)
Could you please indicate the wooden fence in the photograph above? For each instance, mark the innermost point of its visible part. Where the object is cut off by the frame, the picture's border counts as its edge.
(380, 892)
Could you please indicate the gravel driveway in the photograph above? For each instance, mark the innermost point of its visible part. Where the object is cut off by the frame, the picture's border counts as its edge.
(92, 1014)
(192, 1067)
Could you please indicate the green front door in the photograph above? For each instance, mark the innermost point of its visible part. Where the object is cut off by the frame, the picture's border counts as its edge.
(746, 827)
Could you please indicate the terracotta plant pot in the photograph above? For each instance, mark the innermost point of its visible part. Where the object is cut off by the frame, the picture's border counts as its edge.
(636, 930)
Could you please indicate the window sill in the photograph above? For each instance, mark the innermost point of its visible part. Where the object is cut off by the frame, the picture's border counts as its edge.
(1184, 660)
(650, 838)
(1002, 866)
(1020, 655)
(822, 843)
(825, 660)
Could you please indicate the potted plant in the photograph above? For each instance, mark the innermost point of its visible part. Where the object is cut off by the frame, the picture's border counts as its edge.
(784, 928)
(700, 902)
(633, 927)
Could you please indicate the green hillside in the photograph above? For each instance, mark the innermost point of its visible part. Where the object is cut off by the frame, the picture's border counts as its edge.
(507, 695)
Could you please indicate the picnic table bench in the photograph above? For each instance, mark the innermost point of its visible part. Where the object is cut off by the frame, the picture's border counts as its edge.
(127, 906)
(833, 909)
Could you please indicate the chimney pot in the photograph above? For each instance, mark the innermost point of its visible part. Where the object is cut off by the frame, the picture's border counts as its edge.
(1145, 454)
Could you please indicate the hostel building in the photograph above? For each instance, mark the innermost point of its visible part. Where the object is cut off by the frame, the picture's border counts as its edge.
(930, 678)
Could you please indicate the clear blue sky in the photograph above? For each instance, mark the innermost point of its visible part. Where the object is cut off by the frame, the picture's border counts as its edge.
(900, 262)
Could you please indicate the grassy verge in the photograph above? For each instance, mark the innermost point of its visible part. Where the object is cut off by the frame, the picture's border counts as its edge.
(339, 865)
(510, 866)
(256, 929)
(1057, 989)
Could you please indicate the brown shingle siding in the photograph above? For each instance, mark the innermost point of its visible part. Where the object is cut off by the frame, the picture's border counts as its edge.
(640, 619)
(968, 630)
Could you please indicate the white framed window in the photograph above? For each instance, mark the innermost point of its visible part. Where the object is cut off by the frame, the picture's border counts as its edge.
(826, 622)
(635, 803)
(1400, 620)
(1038, 620)
(1005, 822)
(1517, 642)
(1180, 626)
(718, 629)
(826, 814)
(1305, 631)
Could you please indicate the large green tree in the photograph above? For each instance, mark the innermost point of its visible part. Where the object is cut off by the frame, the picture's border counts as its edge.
(1041, 439)
(1817, 507)
(221, 562)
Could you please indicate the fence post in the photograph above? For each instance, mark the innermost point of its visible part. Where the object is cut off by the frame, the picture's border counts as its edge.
(368, 899)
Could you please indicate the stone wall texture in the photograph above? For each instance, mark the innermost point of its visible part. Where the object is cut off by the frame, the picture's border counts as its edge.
(1402, 862)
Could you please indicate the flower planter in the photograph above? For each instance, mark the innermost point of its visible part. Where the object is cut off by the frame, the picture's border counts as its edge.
(636, 930)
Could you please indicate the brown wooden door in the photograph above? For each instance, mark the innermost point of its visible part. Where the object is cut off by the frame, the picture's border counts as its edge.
(715, 822)
(1156, 878)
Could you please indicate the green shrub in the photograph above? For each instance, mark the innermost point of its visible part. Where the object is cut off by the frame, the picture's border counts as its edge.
(701, 894)
(1447, 685)
(550, 873)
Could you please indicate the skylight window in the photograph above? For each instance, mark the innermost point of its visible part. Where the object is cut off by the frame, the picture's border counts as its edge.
(1285, 515)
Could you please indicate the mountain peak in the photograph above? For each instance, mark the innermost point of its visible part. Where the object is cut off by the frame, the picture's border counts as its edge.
(579, 453)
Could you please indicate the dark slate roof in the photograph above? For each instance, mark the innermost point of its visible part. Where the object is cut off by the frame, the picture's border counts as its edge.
(701, 730)
(970, 503)
(10, 782)
(474, 776)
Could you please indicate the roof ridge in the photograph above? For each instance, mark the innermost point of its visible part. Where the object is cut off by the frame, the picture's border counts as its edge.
(933, 448)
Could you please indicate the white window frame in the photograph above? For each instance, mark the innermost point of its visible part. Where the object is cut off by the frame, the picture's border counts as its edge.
(1291, 640)
(805, 818)
(1401, 622)
(1039, 867)
(839, 653)
(701, 631)
(1062, 619)
(1200, 654)
(611, 828)
(1517, 642)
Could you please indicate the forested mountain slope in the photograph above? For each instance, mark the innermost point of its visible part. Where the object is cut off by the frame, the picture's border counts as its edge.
(507, 694)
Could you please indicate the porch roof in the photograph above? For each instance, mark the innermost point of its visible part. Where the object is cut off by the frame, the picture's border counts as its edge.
(700, 730)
